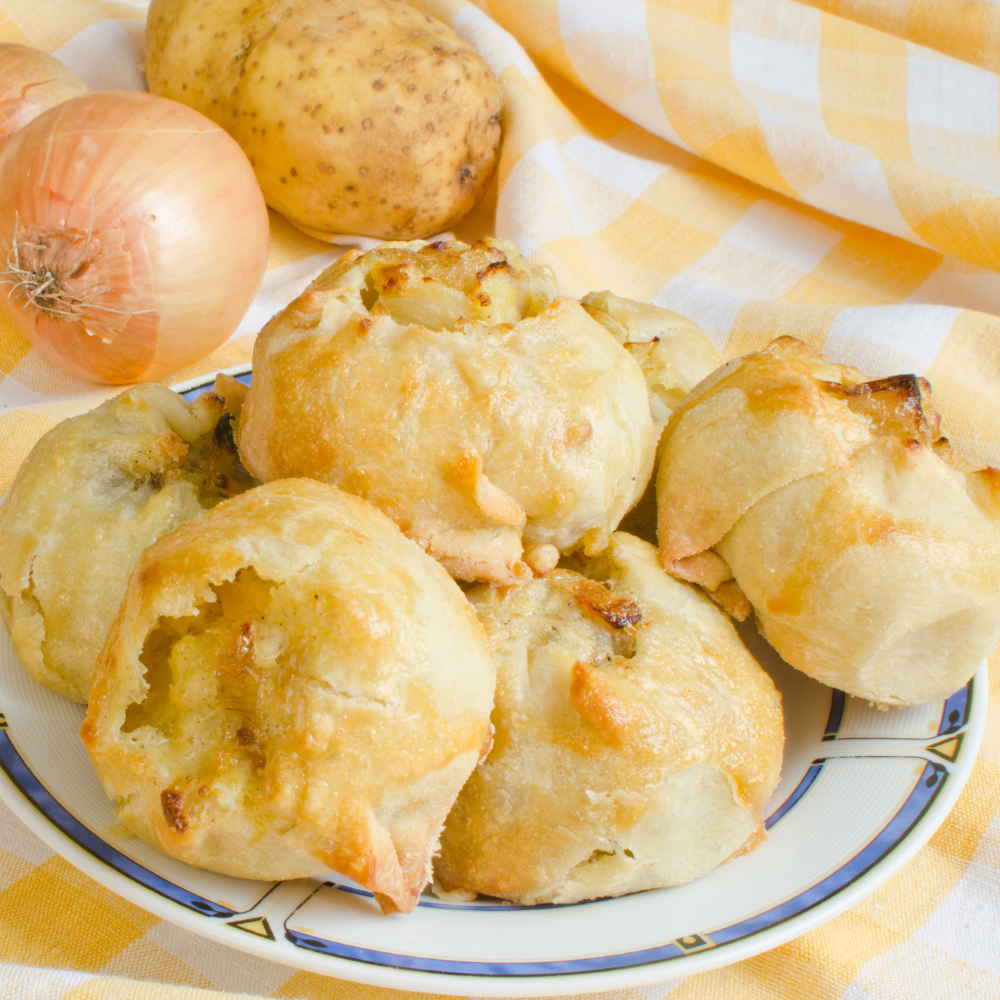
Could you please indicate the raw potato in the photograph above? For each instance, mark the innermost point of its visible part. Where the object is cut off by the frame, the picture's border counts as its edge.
(361, 117)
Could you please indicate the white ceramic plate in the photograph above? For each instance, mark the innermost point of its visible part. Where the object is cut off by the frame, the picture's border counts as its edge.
(861, 792)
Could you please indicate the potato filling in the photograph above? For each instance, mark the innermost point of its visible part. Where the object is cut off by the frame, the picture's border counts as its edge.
(204, 673)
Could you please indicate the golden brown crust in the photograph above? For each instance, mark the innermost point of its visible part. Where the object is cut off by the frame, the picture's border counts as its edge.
(879, 577)
(731, 599)
(867, 551)
(710, 472)
(673, 353)
(445, 385)
(636, 744)
(91, 495)
(291, 686)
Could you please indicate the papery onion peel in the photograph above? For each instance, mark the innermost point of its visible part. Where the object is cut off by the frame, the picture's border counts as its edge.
(133, 235)
(31, 82)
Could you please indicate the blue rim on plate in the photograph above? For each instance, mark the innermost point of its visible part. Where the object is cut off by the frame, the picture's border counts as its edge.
(920, 758)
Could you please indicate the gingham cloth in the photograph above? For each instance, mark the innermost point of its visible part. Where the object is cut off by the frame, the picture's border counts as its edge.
(828, 169)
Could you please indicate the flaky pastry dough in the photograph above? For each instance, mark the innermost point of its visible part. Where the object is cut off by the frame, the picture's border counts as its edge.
(448, 386)
(292, 686)
(91, 495)
(637, 741)
(673, 353)
(831, 505)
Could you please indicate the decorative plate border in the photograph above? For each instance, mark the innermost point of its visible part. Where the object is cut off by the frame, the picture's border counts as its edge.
(947, 756)
(935, 791)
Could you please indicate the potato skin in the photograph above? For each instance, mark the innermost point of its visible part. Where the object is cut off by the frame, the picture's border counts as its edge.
(359, 116)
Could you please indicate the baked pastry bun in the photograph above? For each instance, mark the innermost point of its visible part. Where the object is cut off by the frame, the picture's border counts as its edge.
(91, 495)
(637, 741)
(290, 687)
(497, 425)
(673, 353)
(833, 507)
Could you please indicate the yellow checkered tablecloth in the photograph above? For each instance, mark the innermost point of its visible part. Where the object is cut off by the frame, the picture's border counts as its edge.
(828, 169)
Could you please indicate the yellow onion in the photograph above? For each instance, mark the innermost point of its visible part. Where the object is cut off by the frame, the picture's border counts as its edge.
(133, 235)
(32, 82)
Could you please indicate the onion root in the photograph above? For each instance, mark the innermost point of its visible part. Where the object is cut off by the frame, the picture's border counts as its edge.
(40, 278)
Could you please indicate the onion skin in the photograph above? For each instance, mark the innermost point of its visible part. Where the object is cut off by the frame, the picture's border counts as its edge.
(31, 82)
(177, 226)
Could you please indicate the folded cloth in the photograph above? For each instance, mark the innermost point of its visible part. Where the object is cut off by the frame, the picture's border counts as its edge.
(828, 169)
